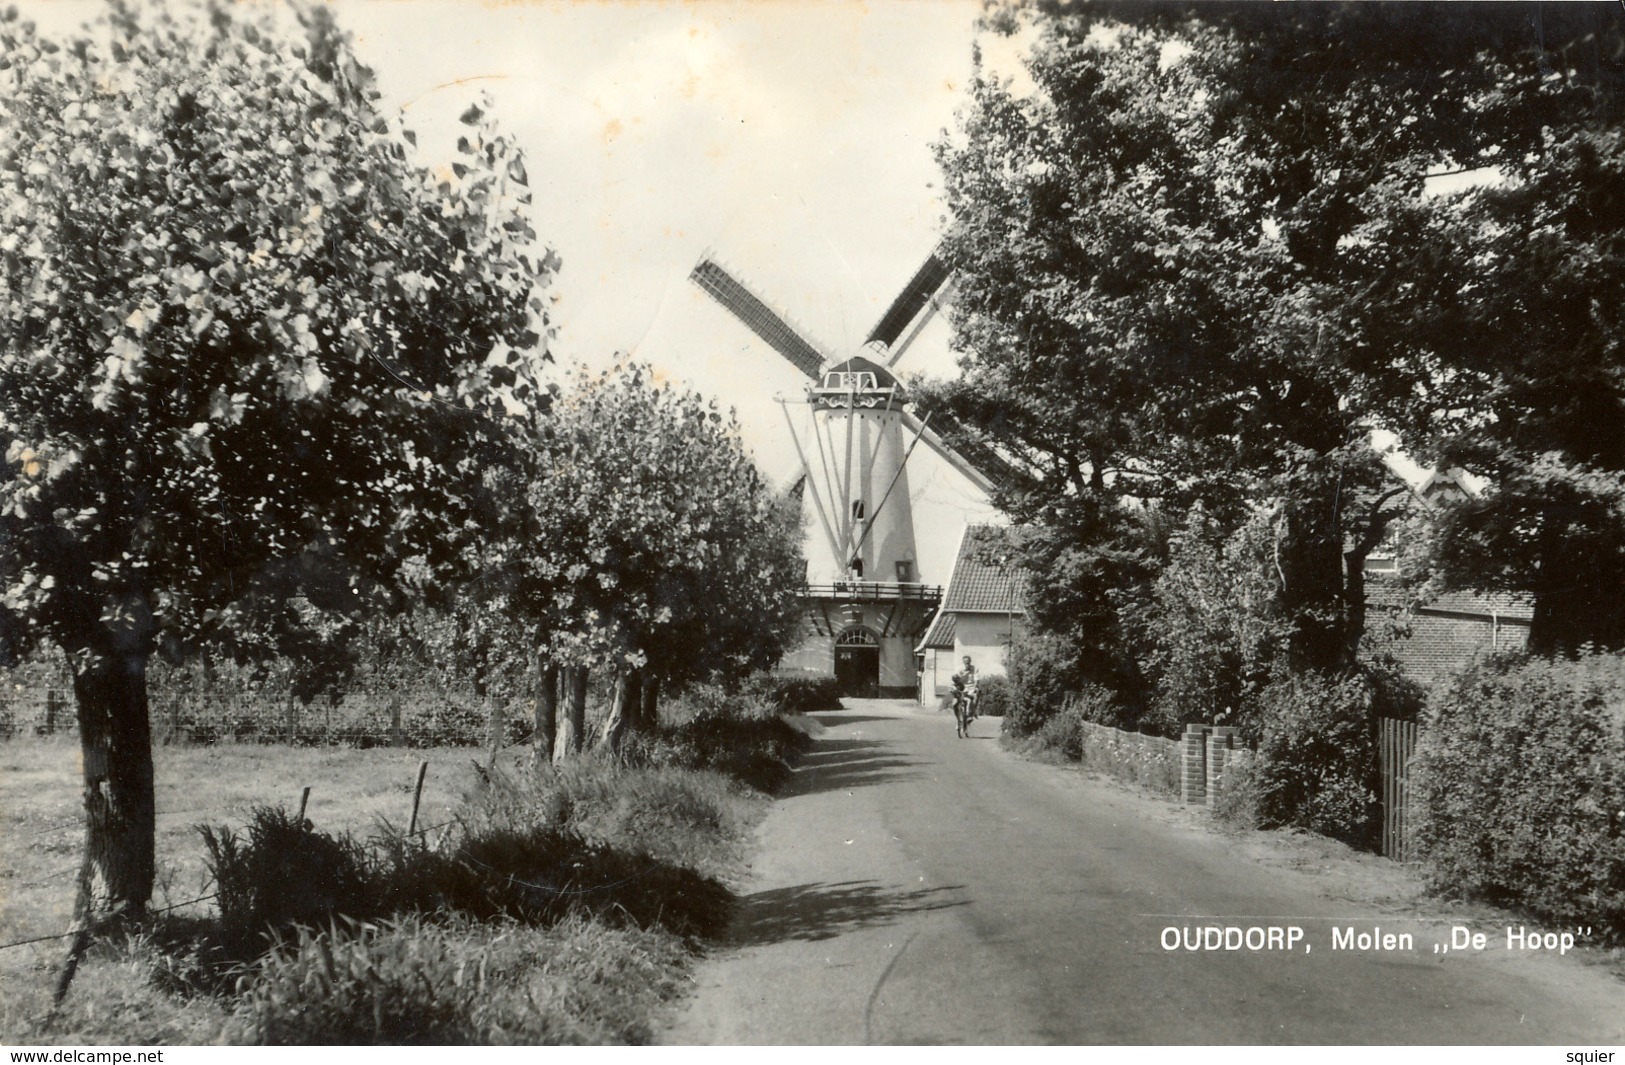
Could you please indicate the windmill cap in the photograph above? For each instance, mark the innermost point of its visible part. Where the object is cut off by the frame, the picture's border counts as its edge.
(884, 378)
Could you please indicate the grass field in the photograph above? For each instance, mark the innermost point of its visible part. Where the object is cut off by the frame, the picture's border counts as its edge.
(578, 981)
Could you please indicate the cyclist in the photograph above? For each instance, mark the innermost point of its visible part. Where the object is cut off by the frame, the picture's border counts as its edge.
(964, 683)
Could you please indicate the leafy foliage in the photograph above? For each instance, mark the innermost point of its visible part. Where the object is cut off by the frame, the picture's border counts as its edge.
(1043, 675)
(665, 549)
(1203, 253)
(1316, 766)
(255, 360)
(1519, 780)
(993, 696)
(414, 982)
(1216, 635)
(281, 874)
(240, 324)
(793, 693)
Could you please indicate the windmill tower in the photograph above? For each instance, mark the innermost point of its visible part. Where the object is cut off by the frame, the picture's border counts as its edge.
(867, 601)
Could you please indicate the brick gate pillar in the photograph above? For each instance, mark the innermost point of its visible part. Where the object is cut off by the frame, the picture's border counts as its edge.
(1193, 764)
(1221, 741)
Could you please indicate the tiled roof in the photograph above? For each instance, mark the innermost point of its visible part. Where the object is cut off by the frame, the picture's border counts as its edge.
(941, 633)
(980, 584)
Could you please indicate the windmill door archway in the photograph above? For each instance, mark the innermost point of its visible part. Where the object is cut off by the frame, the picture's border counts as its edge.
(857, 663)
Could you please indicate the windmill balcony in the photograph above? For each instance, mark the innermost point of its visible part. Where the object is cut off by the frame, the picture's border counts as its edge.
(928, 595)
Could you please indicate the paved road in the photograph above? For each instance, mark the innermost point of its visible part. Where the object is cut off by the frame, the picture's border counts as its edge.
(916, 888)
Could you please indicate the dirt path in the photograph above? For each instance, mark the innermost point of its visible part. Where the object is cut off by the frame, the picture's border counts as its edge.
(915, 888)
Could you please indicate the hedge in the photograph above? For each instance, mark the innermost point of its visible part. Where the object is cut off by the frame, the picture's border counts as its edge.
(1519, 788)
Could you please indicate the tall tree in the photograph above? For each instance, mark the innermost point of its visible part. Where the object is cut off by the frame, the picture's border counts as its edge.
(1200, 259)
(661, 555)
(238, 325)
(1540, 370)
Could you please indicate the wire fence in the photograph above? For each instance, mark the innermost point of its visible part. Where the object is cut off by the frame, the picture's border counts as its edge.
(69, 878)
(400, 717)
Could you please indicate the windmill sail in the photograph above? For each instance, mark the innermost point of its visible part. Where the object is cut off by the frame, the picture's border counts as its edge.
(930, 277)
(757, 316)
(977, 466)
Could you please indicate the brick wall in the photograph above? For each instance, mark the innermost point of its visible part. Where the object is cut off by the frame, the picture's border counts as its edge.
(1150, 761)
(1433, 644)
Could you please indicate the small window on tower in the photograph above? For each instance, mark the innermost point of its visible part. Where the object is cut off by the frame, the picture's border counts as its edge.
(857, 510)
(905, 571)
(857, 568)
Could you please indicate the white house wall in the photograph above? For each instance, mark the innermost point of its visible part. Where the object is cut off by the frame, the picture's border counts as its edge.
(985, 637)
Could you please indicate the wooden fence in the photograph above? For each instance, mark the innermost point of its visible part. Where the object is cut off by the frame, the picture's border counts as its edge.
(1396, 742)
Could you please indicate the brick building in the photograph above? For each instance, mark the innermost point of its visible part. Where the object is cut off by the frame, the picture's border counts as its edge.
(1436, 638)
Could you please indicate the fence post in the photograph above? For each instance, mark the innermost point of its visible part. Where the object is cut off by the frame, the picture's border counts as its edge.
(304, 800)
(396, 737)
(496, 718)
(1193, 774)
(417, 797)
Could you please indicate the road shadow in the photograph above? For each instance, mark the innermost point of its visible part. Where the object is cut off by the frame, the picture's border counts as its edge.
(832, 718)
(841, 765)
(822, 911)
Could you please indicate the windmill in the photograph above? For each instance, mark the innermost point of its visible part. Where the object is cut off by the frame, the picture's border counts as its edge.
(867, 601)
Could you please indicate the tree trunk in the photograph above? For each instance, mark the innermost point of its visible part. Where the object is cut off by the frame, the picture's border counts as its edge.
(634, 702)
(547, 715)
(649, 719)
(616, 724)
(1354, 602)
(496, 724)
(115, 744)
(1310, 561)
(573, 728)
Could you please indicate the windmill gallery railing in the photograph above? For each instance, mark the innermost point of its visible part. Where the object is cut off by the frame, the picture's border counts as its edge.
(928, 595)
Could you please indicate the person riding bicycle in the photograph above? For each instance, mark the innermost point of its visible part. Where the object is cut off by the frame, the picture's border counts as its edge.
(965, 686)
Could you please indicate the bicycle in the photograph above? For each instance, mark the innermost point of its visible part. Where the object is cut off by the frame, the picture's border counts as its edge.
(964, 710)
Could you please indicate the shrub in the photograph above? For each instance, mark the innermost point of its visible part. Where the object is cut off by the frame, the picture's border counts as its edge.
(795, 693)
(1216, 639)
(280, 874)
(1062, 734)
(1064, 731)
(1041, 669)
(993, 696)
(1316, 764)
(1519, 783)
(408, 984)
(1135, 758)
(676, 815)
(539, 875)
(743, 737)
(1237, 801)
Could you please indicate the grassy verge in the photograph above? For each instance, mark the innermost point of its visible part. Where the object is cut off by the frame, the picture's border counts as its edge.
(559, 905)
